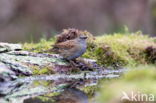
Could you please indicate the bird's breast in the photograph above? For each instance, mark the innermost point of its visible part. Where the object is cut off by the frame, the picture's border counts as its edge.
(81, 50)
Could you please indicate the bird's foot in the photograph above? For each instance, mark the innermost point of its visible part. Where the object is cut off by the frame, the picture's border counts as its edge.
(74, 64)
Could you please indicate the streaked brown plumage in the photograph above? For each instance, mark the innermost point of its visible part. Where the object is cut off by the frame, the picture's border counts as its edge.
(71, 49)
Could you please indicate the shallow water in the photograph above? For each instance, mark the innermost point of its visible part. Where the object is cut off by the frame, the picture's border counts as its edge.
(58, 88)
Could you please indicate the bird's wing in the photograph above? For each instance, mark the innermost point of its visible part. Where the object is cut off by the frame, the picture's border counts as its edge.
(67, 52)
(66, 45)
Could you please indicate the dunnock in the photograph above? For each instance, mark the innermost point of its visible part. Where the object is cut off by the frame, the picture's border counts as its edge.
(71, 49)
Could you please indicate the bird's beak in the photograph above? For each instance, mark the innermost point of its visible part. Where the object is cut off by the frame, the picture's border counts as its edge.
(85, 37)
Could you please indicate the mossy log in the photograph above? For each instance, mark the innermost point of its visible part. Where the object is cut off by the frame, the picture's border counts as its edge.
(15, 62)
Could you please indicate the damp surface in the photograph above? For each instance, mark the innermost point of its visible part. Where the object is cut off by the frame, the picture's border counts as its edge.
(57, 88)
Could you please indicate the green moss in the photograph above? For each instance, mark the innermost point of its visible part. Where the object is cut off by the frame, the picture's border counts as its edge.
(43, 83)
(44, 99)
(120, 49)
(45, 70)
(141, 80)
(89, 90)
(48, 98)
(42, 46)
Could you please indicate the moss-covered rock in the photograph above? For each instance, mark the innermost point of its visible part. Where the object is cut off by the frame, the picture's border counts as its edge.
(139, 82)
(120, 49)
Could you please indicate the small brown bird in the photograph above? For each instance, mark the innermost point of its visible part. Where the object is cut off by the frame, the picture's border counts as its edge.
(71, 49)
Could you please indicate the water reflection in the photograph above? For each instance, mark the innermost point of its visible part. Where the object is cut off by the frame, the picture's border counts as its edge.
(42, 91)
(52, 88)
(69, 95)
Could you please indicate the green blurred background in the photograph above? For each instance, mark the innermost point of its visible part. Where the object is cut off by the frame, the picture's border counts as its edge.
(30, 20)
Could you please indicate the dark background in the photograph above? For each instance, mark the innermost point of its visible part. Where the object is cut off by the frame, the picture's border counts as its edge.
(30, 20)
